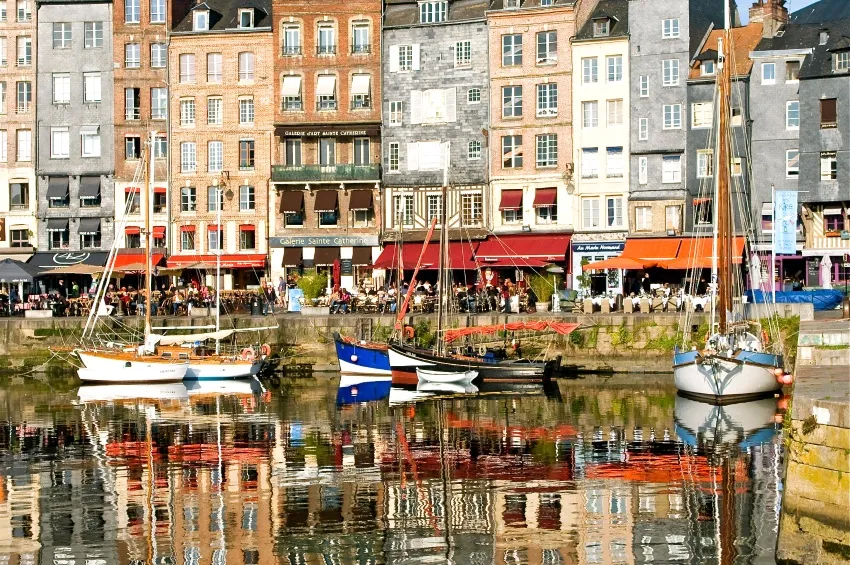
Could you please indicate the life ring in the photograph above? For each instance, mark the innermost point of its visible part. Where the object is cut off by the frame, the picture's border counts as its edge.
(409, 332)
(265, 350)
(248, 354)
(482, 351)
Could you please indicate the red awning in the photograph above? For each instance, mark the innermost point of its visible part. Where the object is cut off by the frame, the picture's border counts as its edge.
(247, 227)
(511, 200)
(641, 254)
(701, 200)
(160, 190)
(212, 227)
(231, 261)
(187, 228)
(460, 256)
(131, 189)
(545, 197)
(158, 232)
(132, 230)
(126, 257)
(696, 253)
(519, 250)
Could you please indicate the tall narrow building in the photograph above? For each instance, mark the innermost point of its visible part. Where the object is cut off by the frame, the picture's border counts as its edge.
(326, 175)
(18, 202)
(221, 63)
(75, 161)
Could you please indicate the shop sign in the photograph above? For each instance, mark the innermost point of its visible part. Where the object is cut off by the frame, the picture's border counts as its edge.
(346, 269)
(325, 241)
(599, 247)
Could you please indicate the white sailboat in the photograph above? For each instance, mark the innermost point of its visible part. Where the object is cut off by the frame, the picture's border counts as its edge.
(735, 363)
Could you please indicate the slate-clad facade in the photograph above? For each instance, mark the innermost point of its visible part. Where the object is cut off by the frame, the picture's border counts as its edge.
(75, 161)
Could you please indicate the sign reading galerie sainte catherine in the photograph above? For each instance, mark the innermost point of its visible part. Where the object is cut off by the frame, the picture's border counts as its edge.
(325, 241)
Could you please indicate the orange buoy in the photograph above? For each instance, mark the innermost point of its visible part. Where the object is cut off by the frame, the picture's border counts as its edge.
(248, 354)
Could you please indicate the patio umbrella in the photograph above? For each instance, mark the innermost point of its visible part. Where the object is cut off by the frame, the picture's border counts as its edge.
(12, 271)
(337, 274)
(79, 269)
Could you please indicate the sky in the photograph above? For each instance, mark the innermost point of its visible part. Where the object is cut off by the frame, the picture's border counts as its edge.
(792, 5)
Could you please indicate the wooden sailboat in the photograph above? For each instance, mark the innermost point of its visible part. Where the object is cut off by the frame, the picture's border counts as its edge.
(734, 364)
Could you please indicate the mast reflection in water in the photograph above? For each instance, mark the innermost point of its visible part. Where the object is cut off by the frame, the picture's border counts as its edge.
(235, 473)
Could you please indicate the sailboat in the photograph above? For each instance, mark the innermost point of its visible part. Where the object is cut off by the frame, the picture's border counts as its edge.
(734, 364)
(127, 363)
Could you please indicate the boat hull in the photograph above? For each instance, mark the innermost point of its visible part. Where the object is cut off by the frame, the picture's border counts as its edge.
(356, 359)
(106, 368)
(404, 361)
(445, 378)
(229, 370)
(743, 424)
(362, 388)
(726, 379)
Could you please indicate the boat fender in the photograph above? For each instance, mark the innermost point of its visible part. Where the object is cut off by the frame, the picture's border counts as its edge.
(265, 350)
(248, 354)
(765, 338)
(354, 358)
(409, 332)
(482, 351)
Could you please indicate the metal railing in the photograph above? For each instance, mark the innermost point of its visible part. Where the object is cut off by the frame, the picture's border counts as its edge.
(332, 173)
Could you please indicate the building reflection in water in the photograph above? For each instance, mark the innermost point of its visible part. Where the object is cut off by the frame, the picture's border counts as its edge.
(237, 474)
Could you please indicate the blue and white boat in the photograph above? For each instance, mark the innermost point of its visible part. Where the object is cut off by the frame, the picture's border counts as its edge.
(362, 388)
(362, 357)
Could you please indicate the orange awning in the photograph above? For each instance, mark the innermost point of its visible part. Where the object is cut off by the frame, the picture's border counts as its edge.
(697, 253)
(641, 254)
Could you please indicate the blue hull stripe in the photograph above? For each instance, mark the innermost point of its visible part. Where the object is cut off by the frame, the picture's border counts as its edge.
(366, 357)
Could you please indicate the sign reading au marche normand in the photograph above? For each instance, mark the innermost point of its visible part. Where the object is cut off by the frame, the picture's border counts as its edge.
(325, 241)
(598, 247)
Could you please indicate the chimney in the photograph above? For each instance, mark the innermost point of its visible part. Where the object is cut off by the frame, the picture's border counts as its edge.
(771, 13)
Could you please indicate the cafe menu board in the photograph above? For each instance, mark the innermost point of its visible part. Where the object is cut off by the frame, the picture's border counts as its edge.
(813, 272)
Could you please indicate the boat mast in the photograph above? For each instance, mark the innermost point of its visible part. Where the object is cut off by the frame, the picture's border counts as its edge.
(219, 203)
(723, 215)
(442, 278)
(146, 203)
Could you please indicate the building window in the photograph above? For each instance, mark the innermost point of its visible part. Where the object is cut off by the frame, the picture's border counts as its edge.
(327, 152)
(62, 35)
(671, 169)
(670, 68)
(360, 34)
(615, 112)
(160, 147)
(160, 201)
(215, 238)
(828, 113)
(590, 163)
(19, 238)
(435, 207)
(841, 61)
(703, 211)
(187, 240)
(159, 103)
(247, 239)
(792, 163)
(472, 209)
(187, 112)
(326, 39)
(19, 195)
(614, 162)
(246, 199)
(432, 11)
(132, 55)
(393, 156)
(512, 50)
(473, 151)
(615, 68)
(705, 163)
(403, 206)
(737, 118)
(292, 152)
(294, 219)
(473, 96)
(736, 166)
(643, 129)
(4, 59)
(590, 114)
(396, 113)
(792, 115)
(643, 170)
(590, 212)
(614, 215)
(132, 11)
(200, 20)
(601, 28)
(246, 155)
(90, 141)
(362, 151)
(24, 51)
(292, 40)
(702, 114)
(24, 9)
(547, 214)
(329, 218)
(670, 28)
(93, 33)
(512, 216)
(512, 152)
(61, 89)
(360, 92)
(832, 222)
(132, 104)
(828, 166)
(91, 87)
(673, 218)
(405, 58)
(547, 150)
(511, 101)
(792, 71)
(547, 47)
(589, 70)
(159, 55)
(643, 218)
(327, 92)
(463, 54)
(188, 157)
(58, 239)
(4, 144)
(246, 18)
(246, 111)
(59, 143)
(706, 68)
(672, 116)
(246, 66)
(188, 199)
(132, 201)
(547, 99)
(132, 147)
(214, 111)
(215, 199)
(768, 73)
(215, 156)
(187, 68)
(644, 86)
(157, 11)
(24, 145)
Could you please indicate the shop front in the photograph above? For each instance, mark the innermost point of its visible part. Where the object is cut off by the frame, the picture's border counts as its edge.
(602, 281)
(351, 254)
(238, 271)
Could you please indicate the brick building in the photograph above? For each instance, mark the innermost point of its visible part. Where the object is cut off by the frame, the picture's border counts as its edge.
(327, 147)
(221, 101)
(140, 42)
(18, 201)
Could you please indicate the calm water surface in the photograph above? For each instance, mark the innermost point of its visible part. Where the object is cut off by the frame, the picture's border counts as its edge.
(588, 472)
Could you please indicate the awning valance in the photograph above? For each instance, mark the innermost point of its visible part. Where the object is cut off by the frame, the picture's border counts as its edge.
(545, 197)
(187, 228)
(291, 201)
(158, 232)
(213, 227)
(360, 200)
(292, 257)
(247, 227)
(57, 224)
(518, 250)
(361, 256)
(49, 261)
(132, 230)
(696, 253)
(832, 211)
(460, 256)
(57, 187)
(89, 226)
(326, 255)
(160, 190)
(641, 254)
(325, 201)
(89, 187)
(229, 261)
(511, 200)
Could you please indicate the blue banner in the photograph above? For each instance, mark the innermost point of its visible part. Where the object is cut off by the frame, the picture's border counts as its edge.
(785, 222)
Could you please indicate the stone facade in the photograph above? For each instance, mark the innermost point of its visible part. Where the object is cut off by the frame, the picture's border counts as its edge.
(18, 202)
(221, 114)
(75, 133)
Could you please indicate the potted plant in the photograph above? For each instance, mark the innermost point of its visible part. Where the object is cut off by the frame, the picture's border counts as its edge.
(312, 284)
(543, 289)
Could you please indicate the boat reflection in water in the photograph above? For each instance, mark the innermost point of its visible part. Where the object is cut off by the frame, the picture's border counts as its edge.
(310, 472)
(363, 388)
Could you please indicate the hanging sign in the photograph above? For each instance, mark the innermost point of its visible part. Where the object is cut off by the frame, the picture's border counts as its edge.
(785, 222)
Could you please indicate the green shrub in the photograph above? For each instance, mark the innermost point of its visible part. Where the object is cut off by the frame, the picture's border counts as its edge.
(542, 286)
(312, 283)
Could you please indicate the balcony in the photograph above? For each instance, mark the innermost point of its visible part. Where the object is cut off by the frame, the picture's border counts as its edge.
(318, 173)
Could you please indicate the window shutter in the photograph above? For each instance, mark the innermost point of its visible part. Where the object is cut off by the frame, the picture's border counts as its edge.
(415, 56)
(450, 104)
(444, 153)
(412, 156)
(393, 58)
(828, 111)
(416, 107)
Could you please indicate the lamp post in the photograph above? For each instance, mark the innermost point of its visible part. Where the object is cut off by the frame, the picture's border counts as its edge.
(556, 299)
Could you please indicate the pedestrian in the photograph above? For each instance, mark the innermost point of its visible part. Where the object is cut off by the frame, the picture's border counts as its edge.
(281, 292)
(645, 283)
(268, 305)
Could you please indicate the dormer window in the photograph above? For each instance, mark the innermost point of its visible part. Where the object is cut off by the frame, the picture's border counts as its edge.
(433, 11)
(707, 68)
(246, 18)
(547, 2)
(823, 37)
(841, 61)
(201, 20)
(511, 4)
(601, 28)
